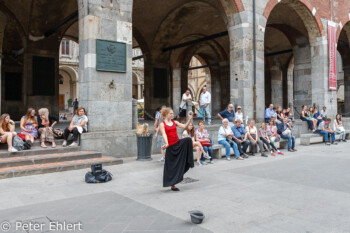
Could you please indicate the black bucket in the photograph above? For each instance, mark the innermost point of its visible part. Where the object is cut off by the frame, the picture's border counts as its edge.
(196, 216)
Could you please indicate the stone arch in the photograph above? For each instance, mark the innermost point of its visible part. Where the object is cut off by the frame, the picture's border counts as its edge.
(304, 9)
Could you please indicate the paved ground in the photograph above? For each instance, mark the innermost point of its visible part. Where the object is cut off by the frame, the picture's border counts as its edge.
(305, 191)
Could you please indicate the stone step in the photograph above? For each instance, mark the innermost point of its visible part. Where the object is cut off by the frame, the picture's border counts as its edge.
(47, 158)
(38, 151)
(35, 144)
(10, 172)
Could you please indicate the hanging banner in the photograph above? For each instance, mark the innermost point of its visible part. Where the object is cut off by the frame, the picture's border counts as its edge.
(332, 30)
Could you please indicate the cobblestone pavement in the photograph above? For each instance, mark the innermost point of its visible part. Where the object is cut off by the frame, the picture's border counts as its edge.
(304, 191)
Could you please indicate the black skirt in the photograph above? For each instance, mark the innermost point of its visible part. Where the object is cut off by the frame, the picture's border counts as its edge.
(178, 160)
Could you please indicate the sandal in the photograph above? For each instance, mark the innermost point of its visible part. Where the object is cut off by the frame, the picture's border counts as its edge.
(43, 146)
(175, 189)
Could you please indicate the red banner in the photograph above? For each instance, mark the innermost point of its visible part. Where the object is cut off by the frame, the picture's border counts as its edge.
(332, 56)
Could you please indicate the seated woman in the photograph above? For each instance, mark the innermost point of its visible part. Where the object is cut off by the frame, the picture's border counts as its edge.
(265, 139)
(46, 122)
(77, 125)
(305, 117)
(254, 139)
(272, 134)
(7, 131)
(189, 132)
(202, 136)
(289, 114)
(225, 138)
(310, 112)
(339, 128)
(279, 113)
(239, 115)
(29, 125)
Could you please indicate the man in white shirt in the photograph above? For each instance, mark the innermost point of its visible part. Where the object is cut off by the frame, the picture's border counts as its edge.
(323, 113)
(183, 107)
(205, 100)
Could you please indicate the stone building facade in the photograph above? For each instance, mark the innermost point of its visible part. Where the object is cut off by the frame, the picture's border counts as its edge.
(257, 52)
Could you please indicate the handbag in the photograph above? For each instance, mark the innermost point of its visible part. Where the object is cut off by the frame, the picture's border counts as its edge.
(206, 143)
(105, 176)
(58, 133)
(17, 143)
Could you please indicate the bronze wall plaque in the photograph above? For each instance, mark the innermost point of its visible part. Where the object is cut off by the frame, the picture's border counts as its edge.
(110, 56)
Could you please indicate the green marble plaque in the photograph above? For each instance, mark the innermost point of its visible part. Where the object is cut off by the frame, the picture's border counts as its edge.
(110, 56)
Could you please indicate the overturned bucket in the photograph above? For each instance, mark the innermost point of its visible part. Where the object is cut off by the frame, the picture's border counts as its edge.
(196, 216)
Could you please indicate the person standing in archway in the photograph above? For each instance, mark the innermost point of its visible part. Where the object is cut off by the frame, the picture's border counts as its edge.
(205, 100)
(179, 152)
(75, 105)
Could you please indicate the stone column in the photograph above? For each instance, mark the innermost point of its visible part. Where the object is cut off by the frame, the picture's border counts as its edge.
(242, 64)
(107, 96)
(3, 21)
(320, 73)
(276, 85)
(302, 77)
(290, 78)
(347, 90)
(176, 90)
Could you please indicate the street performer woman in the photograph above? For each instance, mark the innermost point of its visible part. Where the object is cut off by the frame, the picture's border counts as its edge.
(179, 152)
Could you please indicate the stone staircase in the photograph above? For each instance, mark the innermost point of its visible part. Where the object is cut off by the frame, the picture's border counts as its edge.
(39, 160)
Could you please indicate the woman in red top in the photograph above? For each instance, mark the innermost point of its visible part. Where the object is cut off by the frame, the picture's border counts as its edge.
(179, 152)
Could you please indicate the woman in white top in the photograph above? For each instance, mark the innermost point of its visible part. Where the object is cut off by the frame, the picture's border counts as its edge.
(189, 132)
(254, 139)
(339, 128)
(185, 97)
(272, 133)
(225, 138)
(239, 115)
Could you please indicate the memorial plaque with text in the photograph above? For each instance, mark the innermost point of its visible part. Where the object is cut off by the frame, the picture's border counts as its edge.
(110, 56)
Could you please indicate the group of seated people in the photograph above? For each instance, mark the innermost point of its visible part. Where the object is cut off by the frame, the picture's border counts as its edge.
(42, 126)
(239, 138)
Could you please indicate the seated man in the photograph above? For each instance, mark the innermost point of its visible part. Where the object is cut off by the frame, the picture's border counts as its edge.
(269, 113)
(284, 130)
(240, 137)
(325, 129)
(229, 114)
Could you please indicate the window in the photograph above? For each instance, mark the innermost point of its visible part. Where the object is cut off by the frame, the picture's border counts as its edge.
(65, 49)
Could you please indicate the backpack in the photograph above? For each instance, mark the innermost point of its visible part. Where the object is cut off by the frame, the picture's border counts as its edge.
(102, 178)
(17, 143)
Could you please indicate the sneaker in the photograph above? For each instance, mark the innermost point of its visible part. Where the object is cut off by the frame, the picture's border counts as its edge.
(263, 155)
(206, 156)
(280, 153)
(328, 143)
(290, 150)
(294, 149)
(245, 156)
(161, 159)
(228, 159)
(239, 158)
(273, 154)
(204, 163)
(199, 163)
(334, 143)
(12, 149)
(344, 140)
(64, 144)
(253, 154)
(73, 144)
(211, 162)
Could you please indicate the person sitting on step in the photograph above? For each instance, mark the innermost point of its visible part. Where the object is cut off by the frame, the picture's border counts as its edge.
(46, 122)
(240, 137)
(77, 126)
(254, 141)
(202, 136)
(7, 131)
(284, 130)
(29, 126)
(225, 135)
(189, 132)
(305, 117)
(339, 128)
(325, 129)
(265, 139)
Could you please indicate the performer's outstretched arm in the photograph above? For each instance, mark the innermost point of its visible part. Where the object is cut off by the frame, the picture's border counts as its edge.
(184, 126)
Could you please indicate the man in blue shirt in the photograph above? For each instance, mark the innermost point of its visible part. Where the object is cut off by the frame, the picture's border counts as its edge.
(285, 132)
(269, 113)
(240, 137)
(229, 114)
